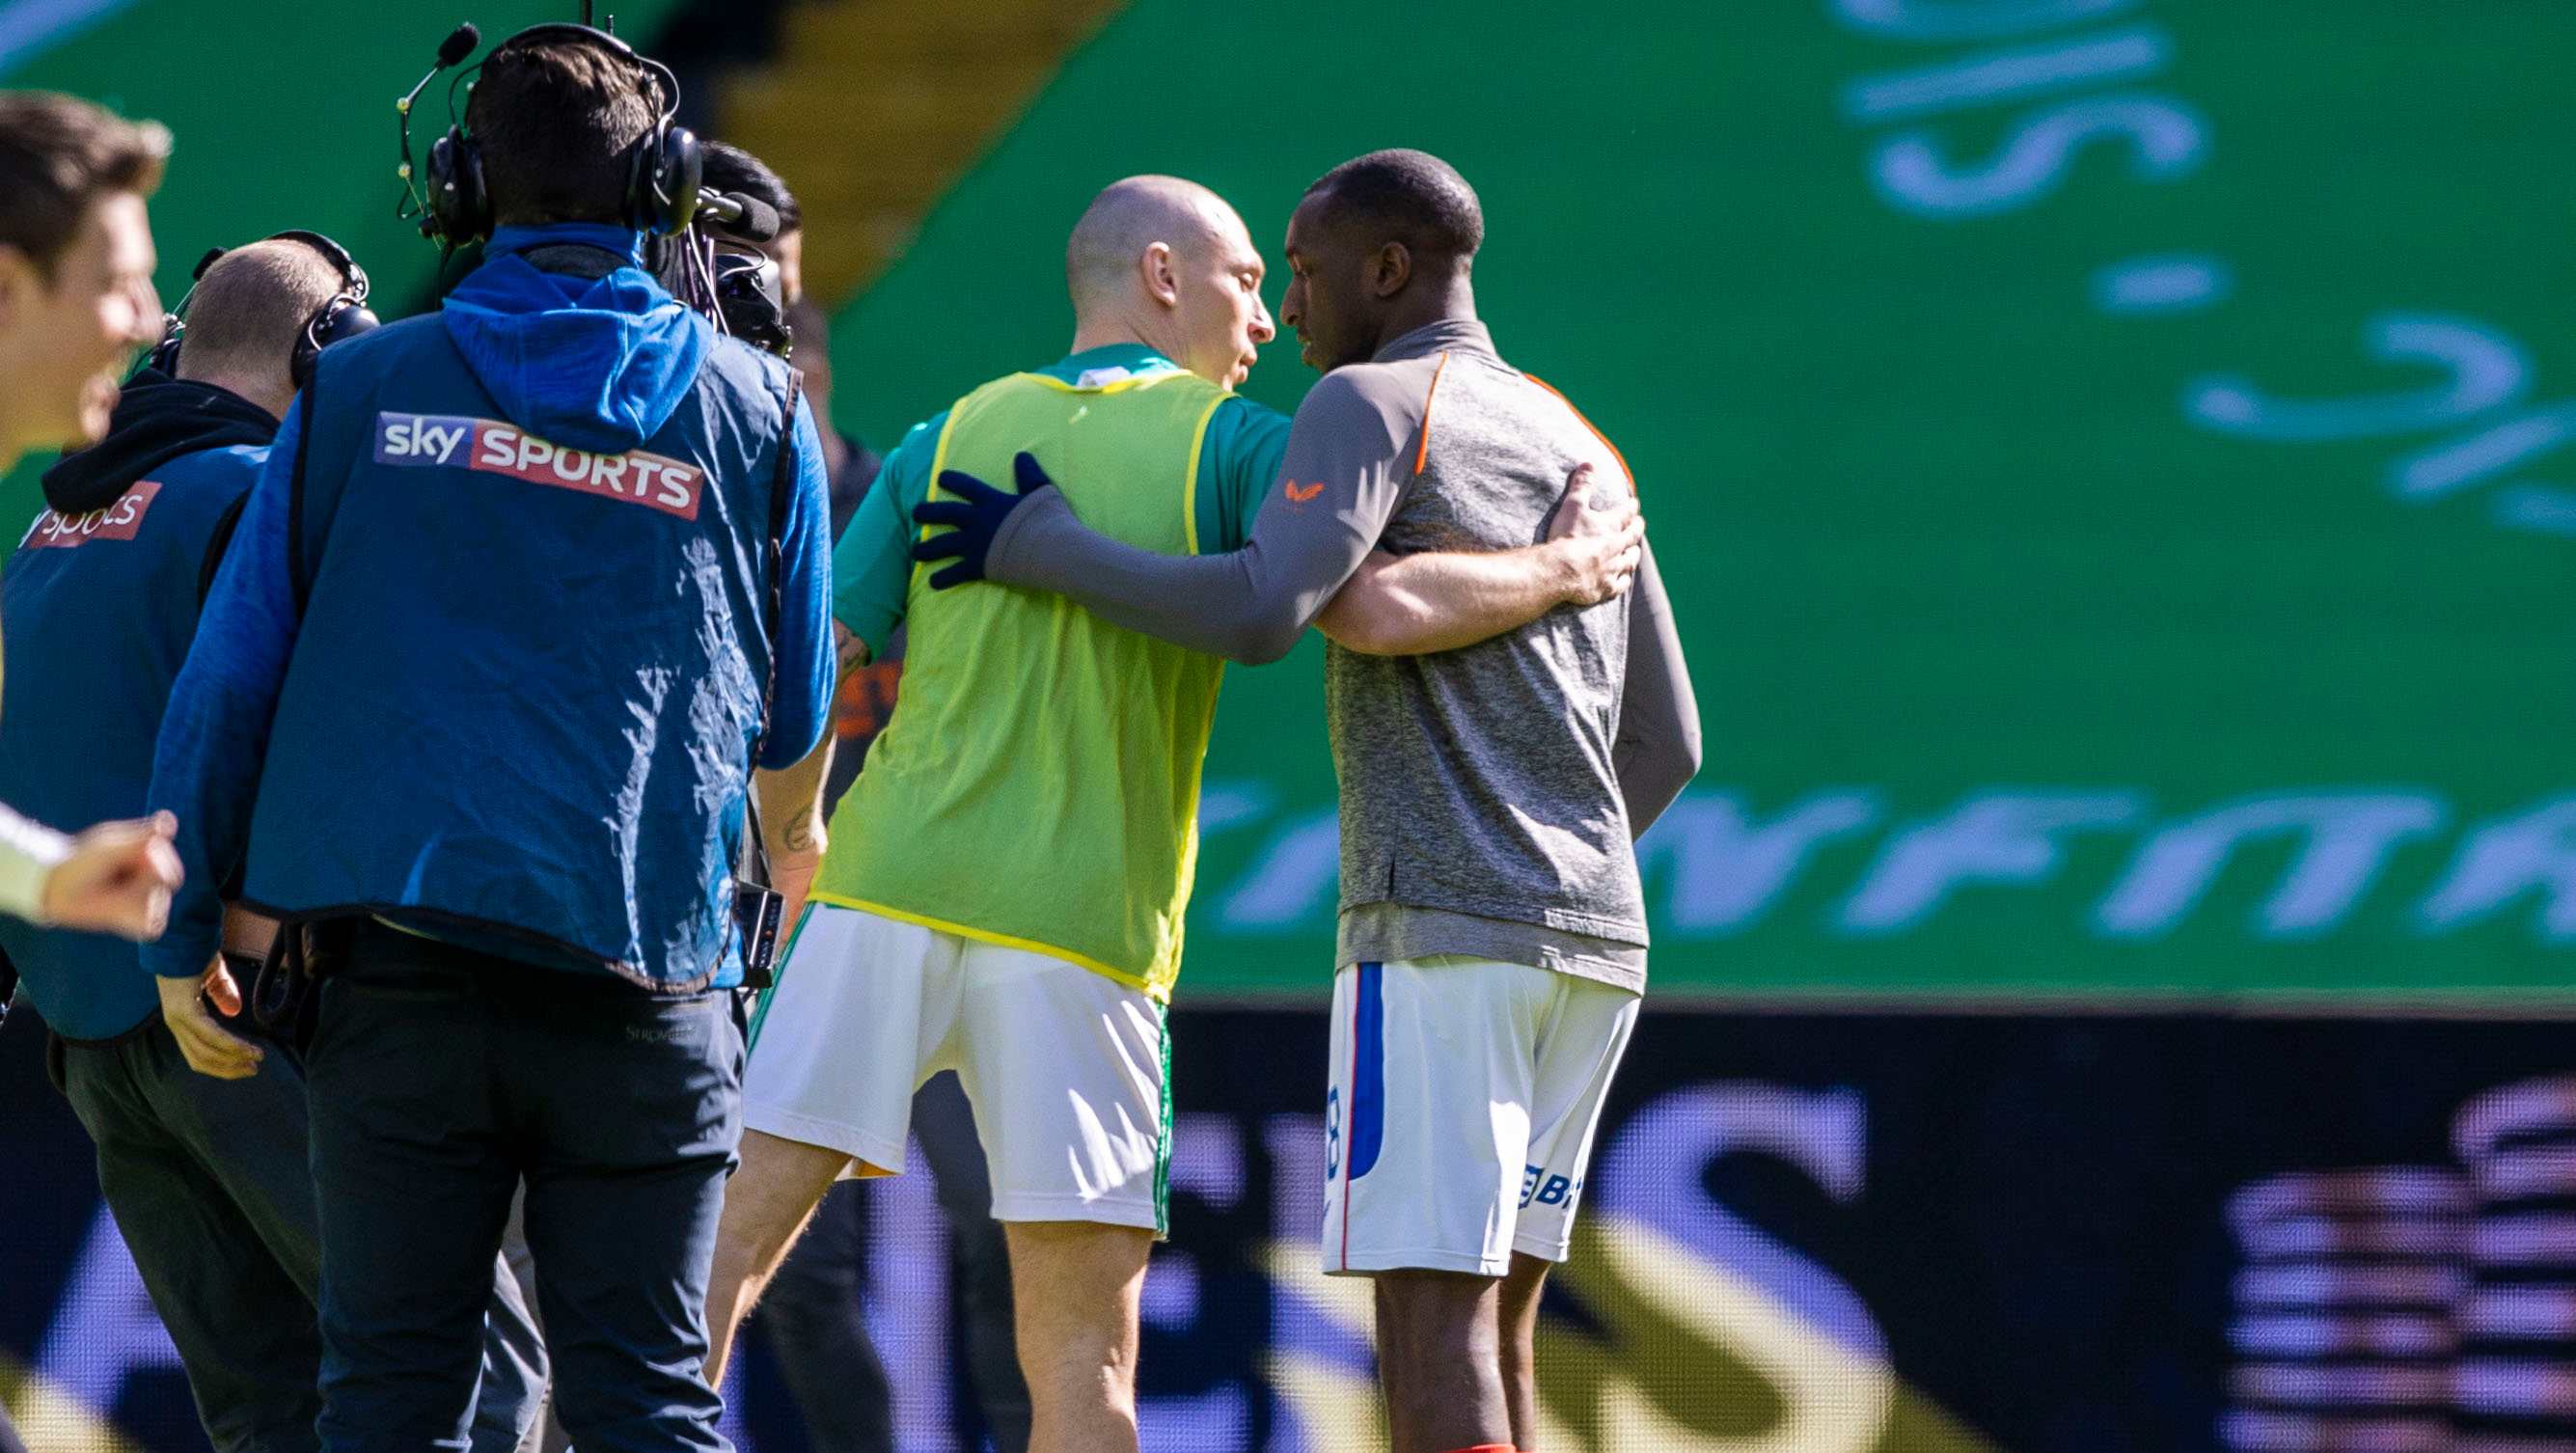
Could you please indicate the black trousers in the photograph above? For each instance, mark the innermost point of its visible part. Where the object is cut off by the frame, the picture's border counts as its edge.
(444, 1078)
(211, 1186)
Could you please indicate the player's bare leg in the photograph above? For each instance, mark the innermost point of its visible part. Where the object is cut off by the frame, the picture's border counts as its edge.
(1439, 1354)
(1076, 1291)
(1519, 1321)
(767, 1203)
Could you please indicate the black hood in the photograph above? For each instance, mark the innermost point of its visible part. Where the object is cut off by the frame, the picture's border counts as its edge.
(157, 419)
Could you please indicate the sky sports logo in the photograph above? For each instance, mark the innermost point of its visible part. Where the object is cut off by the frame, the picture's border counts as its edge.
(119, 521)
(489, 446)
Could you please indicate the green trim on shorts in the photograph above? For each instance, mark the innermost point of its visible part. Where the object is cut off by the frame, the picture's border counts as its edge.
(777, 976)
(1163, 1142)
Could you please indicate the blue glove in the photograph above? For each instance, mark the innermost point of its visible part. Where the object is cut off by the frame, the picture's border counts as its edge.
(974, 517)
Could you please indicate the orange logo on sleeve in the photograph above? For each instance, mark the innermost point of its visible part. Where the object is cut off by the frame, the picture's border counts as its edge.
(1300, 493)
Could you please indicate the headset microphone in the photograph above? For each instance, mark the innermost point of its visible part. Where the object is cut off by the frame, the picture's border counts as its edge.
(448, 194)
(459, 44)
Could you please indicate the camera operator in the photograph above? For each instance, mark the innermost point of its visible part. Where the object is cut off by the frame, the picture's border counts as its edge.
(207, 1178)
(76, 300)
(525, 592)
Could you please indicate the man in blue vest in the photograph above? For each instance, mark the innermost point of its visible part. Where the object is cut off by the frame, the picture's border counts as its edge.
(526, 589)
(76, 300)
(207, 1178)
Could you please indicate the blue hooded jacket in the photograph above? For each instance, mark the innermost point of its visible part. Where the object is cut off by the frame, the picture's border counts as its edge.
(100, 600)
(497, 669)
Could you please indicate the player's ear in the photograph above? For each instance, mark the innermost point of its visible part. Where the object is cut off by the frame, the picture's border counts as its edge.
(1391, 270)
(1162, 280)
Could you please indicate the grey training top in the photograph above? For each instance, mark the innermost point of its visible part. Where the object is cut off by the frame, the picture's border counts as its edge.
(1489, 795)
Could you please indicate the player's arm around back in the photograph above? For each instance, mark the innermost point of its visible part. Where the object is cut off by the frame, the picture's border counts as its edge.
(1413, 605)
(1337, 486)
(1658, 750)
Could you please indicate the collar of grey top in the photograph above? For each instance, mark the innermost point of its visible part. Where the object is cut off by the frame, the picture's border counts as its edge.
(1449, 335)
(575, 259)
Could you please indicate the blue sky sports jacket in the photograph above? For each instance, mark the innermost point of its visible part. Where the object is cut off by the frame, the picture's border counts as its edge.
(498, 672)
(98, 605)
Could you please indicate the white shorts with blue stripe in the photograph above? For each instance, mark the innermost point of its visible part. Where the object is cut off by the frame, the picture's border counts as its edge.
(1463, 1102)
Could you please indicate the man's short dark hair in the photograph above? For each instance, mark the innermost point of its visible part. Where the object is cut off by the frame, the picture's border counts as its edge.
(729, 168)
(1415, 197)
(59, 155)
(557, 120)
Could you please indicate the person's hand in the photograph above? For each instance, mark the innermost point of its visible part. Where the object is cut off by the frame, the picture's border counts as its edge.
(117, 880)
(974, 517)
(209, 1048)
(1600, 537)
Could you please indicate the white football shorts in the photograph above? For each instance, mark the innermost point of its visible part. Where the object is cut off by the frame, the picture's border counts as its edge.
(1067, 1069)
(1459, 1120)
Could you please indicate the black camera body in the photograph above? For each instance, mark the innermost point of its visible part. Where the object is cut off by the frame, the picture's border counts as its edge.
(757, 911)
(753, 301)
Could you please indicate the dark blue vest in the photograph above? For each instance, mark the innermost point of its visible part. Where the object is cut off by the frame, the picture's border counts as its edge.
(96, 612)
(527, 681)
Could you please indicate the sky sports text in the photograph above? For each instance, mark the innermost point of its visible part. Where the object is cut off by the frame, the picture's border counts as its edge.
(490, 446)
(121, 520)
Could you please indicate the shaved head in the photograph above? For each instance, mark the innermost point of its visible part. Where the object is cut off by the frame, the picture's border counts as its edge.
(1165, 262)
(248, 312)
(1102, 261)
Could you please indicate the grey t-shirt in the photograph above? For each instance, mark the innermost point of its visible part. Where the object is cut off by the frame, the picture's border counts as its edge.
(1489, 794)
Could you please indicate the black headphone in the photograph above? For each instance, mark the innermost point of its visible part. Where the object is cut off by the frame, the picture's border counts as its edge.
(344, 317)
(662, 180)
